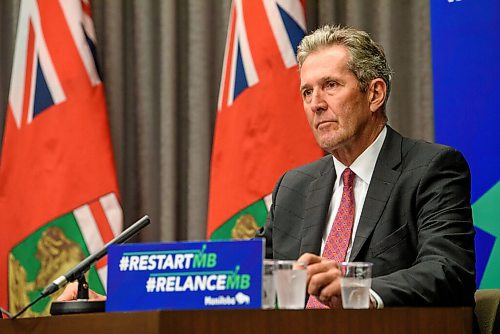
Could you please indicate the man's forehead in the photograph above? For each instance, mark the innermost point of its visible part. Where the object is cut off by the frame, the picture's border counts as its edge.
(333, 50)
(324, 62)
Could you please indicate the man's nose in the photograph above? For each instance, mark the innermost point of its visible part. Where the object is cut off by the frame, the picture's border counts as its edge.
(318, 103)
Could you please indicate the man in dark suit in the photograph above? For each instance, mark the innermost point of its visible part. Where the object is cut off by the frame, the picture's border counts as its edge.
(407, 207)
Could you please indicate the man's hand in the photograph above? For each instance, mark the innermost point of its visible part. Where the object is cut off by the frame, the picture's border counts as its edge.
(71, 291)
(323, 279)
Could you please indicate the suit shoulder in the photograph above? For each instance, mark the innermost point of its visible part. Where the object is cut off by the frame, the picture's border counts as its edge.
(313, 169)
(421, 152)
(301, 176)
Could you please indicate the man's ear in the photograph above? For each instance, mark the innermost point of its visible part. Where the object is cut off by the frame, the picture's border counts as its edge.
(377, 91)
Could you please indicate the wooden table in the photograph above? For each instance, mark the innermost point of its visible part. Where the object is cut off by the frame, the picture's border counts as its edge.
(390, 320)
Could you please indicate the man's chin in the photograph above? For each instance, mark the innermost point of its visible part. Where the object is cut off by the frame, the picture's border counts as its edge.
(330, 145)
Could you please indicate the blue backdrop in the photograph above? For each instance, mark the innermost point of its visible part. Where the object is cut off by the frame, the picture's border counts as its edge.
(466, 72)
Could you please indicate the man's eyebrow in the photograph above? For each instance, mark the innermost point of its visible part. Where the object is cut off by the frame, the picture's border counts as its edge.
(304, 86)
(327, 78)
(321, 80)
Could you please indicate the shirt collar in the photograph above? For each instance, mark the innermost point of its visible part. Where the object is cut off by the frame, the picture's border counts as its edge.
(364, 165)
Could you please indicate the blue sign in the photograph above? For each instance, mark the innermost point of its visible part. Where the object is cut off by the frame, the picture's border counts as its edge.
(185, 275)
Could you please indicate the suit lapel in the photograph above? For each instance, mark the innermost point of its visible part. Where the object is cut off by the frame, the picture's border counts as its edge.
(383, 179)
(316, 209)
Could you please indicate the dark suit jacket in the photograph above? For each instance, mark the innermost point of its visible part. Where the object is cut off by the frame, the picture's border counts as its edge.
(415, 226)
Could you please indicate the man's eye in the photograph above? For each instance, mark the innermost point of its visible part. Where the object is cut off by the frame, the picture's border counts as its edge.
(306, 92)
(330, 84)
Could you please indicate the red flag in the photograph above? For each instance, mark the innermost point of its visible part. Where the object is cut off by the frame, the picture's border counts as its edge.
(58, 189)
(261, 130)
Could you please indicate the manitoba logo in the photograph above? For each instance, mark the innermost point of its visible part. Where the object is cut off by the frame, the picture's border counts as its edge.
(239, 299)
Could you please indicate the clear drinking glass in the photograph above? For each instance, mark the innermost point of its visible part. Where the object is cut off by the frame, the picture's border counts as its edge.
(290, 279)
(355, 284)
(268, 287)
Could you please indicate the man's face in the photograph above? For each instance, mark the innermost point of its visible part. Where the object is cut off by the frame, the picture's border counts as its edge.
(337, 110)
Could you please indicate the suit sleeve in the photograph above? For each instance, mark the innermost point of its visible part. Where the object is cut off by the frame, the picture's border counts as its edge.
(266, 232)
(443, 273)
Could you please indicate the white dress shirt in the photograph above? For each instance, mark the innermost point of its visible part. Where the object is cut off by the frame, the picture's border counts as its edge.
(363, 167)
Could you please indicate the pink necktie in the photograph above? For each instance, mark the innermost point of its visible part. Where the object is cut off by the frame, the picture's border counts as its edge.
(340, 234)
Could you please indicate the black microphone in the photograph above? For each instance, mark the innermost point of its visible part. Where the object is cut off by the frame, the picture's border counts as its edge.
(86, 263)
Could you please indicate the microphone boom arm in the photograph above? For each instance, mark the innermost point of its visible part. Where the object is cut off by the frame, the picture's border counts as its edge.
(81, 268)
(85, 265)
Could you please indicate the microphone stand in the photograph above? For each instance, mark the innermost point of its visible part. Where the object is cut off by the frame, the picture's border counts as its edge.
(82, 304)
(83, 288)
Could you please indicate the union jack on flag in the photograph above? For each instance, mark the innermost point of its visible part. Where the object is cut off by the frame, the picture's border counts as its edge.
(59, 194)
(261, 130)
(286, 24)
(34, 77)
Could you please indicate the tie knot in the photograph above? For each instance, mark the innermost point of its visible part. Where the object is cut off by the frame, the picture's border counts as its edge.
(348, 177)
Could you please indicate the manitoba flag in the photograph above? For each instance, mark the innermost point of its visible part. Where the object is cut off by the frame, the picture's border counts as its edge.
(59, 198)
(261, 130)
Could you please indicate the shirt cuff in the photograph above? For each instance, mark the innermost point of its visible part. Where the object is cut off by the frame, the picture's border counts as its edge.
(375, 298)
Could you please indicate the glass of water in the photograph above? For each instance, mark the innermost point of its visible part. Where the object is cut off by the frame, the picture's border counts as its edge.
(355, 284)
(290, 279)
(268, 287)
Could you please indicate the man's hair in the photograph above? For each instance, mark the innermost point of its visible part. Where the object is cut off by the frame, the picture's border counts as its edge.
(367, 59)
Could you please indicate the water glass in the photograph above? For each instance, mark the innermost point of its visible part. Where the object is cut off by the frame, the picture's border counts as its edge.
(268, 287)
(355, 284)
(290, 279)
